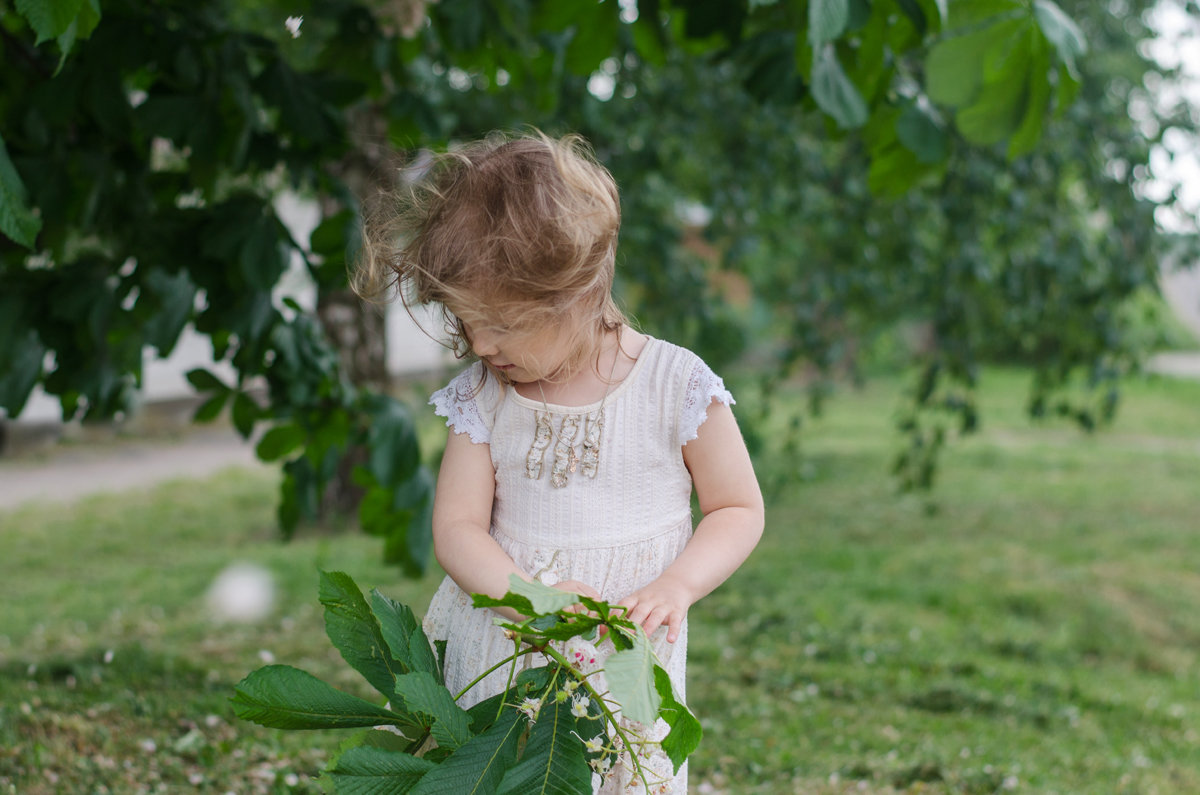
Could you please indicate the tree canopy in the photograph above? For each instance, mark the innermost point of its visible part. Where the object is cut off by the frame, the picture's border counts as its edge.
(854, 163)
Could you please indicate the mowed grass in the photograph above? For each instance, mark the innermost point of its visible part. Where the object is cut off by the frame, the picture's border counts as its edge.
(1037, 631)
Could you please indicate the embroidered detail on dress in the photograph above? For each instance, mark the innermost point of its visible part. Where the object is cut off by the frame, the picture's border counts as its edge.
(564, 451)
(544, 563)
(567, 460)
(541, 440)
(590, 460)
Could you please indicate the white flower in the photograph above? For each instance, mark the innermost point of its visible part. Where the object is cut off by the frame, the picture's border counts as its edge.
(531, 707)
(570, 686)
(601, 765)
(293, 25)
(582, 655)
(579, 706)
(594, 745)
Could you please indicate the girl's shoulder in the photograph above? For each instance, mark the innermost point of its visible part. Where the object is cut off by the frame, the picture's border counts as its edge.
(673, 362)
(683, 379)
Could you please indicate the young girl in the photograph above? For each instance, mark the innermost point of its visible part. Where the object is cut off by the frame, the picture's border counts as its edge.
(575, 440)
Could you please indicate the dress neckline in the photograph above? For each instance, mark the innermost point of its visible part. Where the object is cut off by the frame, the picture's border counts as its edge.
(613, 393)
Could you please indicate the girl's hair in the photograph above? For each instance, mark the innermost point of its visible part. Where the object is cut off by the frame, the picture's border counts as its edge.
(511, 233)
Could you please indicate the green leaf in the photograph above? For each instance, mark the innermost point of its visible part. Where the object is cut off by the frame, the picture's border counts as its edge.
(477, 767)
(997, 112)
(912, 9)
(81, 27)
(283, 697)
(1007, 50)
(968, 13)
(393, 452)
(518, 603)
(205, 381)
(826, 20)
(631, 680)
(289, 509)
(398, 624)
(553, 762)
(261, 254)
(280, 442)
(954, 68)
(404, 635)
(543, 598)
(834, 92)
(425, 695)
(366, 770)
(596, 27)
(943, 11)
(921, 134)
(176, 296)
(210, 409)
(19, 372)
(1029, 132)
(17, 222)
(1064, 96)
(303, 111)
(355, 632)
(685, 734)
(860, 14)
(332, 238)
(1062, 32)
(245, 414)
(49, 18)
(895, 169)
(484, 714)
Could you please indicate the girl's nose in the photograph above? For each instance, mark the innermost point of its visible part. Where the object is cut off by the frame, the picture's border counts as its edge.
(484, 343)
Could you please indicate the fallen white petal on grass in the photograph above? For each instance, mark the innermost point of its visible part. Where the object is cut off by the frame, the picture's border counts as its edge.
(243, 593)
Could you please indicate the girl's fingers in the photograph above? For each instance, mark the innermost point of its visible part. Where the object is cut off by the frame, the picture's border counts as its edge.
(673, 627)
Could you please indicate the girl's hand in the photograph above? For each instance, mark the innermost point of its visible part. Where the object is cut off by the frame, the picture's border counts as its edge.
(664, 601)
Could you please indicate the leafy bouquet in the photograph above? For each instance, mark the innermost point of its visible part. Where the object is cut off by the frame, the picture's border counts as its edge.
(559, 727)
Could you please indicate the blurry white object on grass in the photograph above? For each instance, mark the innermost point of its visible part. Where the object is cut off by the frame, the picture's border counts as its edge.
(243, 593)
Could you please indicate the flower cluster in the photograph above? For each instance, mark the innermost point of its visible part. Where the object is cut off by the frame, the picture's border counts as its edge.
(583, 655)
(531, 707)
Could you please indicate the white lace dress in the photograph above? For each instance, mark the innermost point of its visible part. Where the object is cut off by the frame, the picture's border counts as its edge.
(615, 521)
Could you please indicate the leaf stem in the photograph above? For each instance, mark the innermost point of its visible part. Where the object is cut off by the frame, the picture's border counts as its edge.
(510, 659)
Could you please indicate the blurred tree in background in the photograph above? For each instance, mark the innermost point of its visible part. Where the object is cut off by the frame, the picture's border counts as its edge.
(798, 178)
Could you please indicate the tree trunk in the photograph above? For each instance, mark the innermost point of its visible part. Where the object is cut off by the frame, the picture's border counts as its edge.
(357, 329)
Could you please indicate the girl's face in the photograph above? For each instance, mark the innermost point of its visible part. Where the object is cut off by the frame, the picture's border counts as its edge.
(522, 356)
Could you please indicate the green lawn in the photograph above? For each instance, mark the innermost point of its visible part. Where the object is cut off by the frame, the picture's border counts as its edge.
(1038, 632)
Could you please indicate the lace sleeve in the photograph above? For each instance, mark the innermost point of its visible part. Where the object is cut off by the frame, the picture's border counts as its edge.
(459, 402)
(703, 387)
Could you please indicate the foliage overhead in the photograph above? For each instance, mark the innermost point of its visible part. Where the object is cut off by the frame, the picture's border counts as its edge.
(142, 144)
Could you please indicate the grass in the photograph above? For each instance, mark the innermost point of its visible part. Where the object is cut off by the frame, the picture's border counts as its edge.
(1037, 632)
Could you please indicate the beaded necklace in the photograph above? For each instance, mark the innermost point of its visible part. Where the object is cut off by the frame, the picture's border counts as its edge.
(566, 460)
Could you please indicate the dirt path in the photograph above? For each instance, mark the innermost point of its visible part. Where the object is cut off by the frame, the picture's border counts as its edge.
(75, 469)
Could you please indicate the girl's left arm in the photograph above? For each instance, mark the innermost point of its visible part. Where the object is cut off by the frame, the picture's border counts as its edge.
(732, 506)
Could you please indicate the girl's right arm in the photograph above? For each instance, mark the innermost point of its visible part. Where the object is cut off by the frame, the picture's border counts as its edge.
(462, 516)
